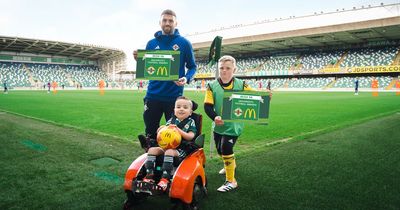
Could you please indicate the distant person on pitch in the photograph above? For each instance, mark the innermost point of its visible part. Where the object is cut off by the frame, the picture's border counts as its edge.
(5, 88)
(356, 87)
(48, 87)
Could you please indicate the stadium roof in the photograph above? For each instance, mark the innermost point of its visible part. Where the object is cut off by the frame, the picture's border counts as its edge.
(322, 30)
(56, 48)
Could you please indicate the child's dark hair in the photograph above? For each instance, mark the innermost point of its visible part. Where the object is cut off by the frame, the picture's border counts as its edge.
(187, 99)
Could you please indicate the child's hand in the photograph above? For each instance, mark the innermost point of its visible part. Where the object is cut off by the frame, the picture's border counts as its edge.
(172, 125)
(218, 120)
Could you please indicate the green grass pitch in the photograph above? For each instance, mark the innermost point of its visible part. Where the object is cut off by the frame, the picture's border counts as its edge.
(320, 150)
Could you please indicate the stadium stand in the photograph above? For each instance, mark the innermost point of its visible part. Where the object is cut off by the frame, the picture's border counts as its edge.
(370, 57)
(259, 69)
(30, 75)
(30, 63)
(317, 61)
(364, 82)
(319, 51)
(318, 82)
(14, 74)
(278, 65)
(328, 55)
(44, 73)
(88, 76)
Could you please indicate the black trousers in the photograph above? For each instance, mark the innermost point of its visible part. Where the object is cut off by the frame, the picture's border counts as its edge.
(153, 111)
(224, 143)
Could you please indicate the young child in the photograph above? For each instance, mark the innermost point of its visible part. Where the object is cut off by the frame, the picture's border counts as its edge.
(225, 133)
(187, 128)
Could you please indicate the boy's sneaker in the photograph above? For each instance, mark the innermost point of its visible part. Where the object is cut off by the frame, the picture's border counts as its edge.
(227, 186)
(148, 179)
(222, 171)
(163, 184)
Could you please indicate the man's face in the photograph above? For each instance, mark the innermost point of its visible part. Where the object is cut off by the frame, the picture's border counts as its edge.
(226, 70)
(168, 23)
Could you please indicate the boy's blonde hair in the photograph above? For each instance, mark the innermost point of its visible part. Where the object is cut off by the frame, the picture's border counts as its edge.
(228, 58)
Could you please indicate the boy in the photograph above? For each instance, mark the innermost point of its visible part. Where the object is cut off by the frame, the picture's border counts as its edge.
(187, 129)
(225, 133)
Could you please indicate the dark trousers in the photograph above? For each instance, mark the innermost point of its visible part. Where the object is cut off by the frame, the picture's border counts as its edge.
(153, 111)
(224, 143)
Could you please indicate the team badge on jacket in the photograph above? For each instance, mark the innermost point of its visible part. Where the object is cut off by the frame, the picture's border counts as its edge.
(175, 47)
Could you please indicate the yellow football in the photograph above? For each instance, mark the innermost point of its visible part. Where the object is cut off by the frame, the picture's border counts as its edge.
(168, 137)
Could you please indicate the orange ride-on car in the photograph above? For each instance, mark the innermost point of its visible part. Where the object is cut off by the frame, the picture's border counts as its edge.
(188, 185)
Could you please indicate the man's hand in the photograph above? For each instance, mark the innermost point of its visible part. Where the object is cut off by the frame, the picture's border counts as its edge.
(181, 82)
(135, 55)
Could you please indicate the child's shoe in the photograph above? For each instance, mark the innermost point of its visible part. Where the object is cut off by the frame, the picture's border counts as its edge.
(163, 183)
(227, 186)
(222, 171)
(148, 178)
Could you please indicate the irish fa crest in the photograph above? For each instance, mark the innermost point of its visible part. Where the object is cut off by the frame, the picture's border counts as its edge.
(175, 47)
(238, 112)
(151, 70)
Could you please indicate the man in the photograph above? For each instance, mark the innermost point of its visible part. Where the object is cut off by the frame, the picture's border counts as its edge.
(161, 95)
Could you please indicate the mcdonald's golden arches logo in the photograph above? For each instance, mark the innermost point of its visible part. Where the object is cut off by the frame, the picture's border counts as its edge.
(162, 70)
(250, 113)
(167, 135)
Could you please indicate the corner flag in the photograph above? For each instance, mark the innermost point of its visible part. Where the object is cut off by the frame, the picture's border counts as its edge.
(215, 51)
(213, 57)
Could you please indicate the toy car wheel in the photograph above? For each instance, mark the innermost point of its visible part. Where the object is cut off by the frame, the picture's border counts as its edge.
(133, 199)
(127, 205)
(199, 192)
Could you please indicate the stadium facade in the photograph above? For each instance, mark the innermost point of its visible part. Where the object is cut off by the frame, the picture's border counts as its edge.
(33, 63)
(324, 50)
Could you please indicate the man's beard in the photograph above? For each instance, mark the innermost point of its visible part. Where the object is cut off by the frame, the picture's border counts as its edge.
(168, 30)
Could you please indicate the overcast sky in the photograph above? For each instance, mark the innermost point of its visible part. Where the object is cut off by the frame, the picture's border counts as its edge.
(129, 24)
